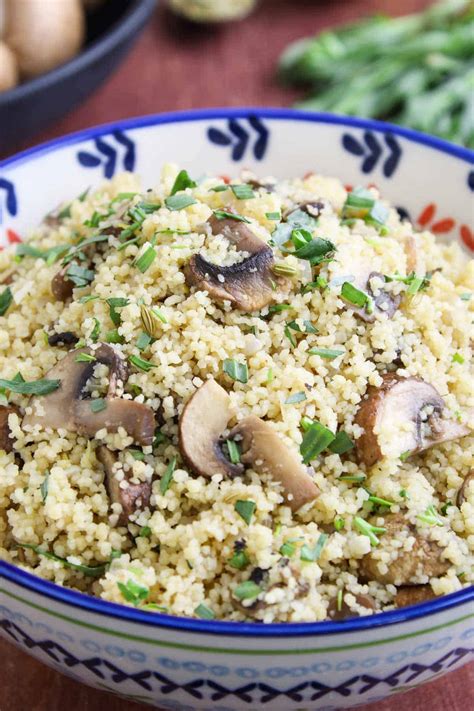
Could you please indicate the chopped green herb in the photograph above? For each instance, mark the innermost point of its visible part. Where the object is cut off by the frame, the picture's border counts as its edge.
(85, 358)
(403, 493)
(270, 375)
(458, 358)
(239, 559)
(87, 298)
(367, 529)
(290, 336)
(98, 404)
(234, 451)
(339, 523)
(224, 215)
(353, 478)
(466, 296)
(167, 477)
(445, 507)
(65, 212)
(141, 364)
(80, 276)
(44, 488)
(415, 285)
(34, 387)
(114, 337)
(312, 554)
(287, 549)
(243, 192)
(219, 189)
(137, 454)
(204, 612)
(95, 331)
(49, 255)
(315, 440)
(342, 443)
(153, 606)
(6, 298)
(236, 371)
(431, 517)
(273, 216)
(159, 438)
(306, 423)
(182, 182)
(355, 296)
(247, 590)
(143, 341)
(145, 532)
(132, 592)
(327, 353)
(381, 502)
(295, 398)
(404, 455)
(145, 260)
(179, 202)
(92, 571)
(245, 509)
(316, 251)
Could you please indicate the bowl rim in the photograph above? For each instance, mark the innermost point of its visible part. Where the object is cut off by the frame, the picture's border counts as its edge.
(111, 610)
(125, 26)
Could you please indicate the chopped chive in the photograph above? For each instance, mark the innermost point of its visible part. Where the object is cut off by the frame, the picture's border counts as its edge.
(133, 593)
(445, 507)
(415, 285)
(235, 370)
(466, 296)
(382, 502)
(145, 532)
(87, 298)
(6, 298)
(339, 523)
(306, 423)
(80, 276)
(167, 477)
(145, 260)
(353, 478)
(114, 337)
(245, 509)
(44, 488)
(404, 455)
(247, 590)
(312, 554)
(141, 364)
(270, 375)
(137, 454)
(431, 517)
(143, 341)
(239, 559)
(354, 296)
(204, 612)
(89, 570)
(403, 493)
(276, 216)
(182, 182)
(98, 404)
(65, 212)
(290, 336)
(219, 189)
(234, 451)
(458, 358)
(95, 333)
(316, 251)
(295, 398)
(85, 358)
(225, 215)
(287, 549)
(243, 192)
(114, 304)
(315, 440)
(179, 202)
(339, 600)
(327, 353)
(367, 529)
(342, 443)
(34, 387)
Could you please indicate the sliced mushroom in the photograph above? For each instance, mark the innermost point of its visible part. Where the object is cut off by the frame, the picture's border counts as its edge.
(264, 451)
(413, 595)
(397, 403)
(65, 338)
(65, 409)
(461, 495)
(409, 567)
(313, 209)
(248, 285)
(131, 497)
(203, 420)
(343, 611)
(6, 441)
(61, 286)
(383, 302)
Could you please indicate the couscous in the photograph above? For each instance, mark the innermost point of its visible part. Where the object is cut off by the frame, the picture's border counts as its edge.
(243, 399)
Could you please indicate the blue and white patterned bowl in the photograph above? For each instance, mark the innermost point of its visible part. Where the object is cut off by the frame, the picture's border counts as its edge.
(178, 663)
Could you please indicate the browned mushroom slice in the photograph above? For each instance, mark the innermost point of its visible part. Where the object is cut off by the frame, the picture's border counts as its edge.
(386, 412)
(264, 451)
(409, 567)
(461, 495)
(66, 409)
(6, 442)
(248, 285)
(203, 420)
(313, 209)
(340, 610)
(65, 338)
(61, 286)
(131, 497)
(413, 594)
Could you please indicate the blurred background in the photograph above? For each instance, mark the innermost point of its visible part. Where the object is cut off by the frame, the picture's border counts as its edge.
(84, 62)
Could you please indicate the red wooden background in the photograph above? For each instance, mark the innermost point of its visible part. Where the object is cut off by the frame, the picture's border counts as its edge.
(177, 66)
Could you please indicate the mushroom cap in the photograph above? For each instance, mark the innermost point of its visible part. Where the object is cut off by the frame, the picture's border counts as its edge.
(9, 76)
(43, 38)
(133, 497)
(248, 285)
(410, 567)
(61, 286)
(396, 403)
(413, 595)
(65, 409)
(204, 418)
(6, 442)
(264, 451)
(346, 611)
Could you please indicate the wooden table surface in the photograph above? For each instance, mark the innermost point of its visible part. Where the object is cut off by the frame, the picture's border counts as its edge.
(177, 66)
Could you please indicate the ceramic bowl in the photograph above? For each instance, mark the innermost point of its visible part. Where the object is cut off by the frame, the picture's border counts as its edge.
(177, 663)
(111, 31)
